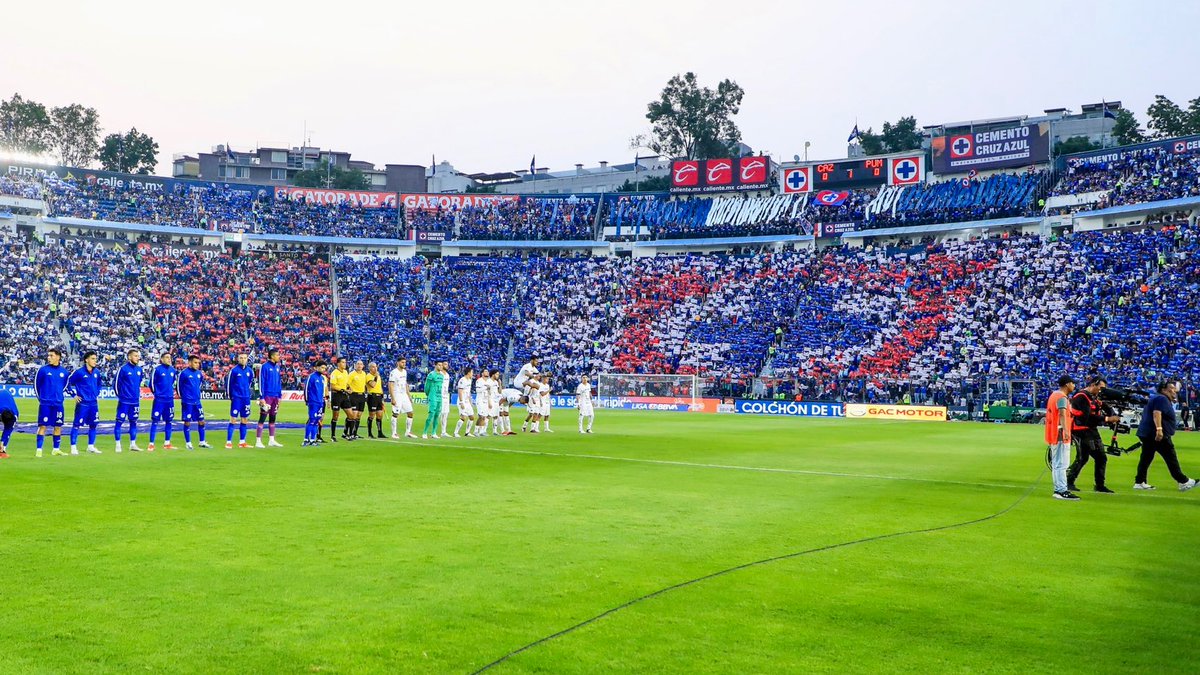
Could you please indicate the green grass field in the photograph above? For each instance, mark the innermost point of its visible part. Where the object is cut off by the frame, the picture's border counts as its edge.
(441, 557)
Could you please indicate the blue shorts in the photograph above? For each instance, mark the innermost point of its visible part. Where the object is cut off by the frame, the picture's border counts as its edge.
(193, 412)
(128, 412)
(50, 414)
(163, 411)
(239, 408)
(316, 412)
(86, 414)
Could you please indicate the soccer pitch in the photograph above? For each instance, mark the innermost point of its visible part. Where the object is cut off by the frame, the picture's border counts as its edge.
(444, 556)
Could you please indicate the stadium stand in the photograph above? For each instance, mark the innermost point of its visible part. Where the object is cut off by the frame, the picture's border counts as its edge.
(930, 321)
(530, 218)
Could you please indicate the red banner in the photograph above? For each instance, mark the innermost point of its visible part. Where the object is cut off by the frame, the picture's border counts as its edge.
(446, 202)
(689, 176)
(362, 198)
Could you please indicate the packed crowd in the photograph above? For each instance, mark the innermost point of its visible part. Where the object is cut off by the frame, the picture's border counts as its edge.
(952, 201)
(530, 218)
(1146, 175)
(381, 310)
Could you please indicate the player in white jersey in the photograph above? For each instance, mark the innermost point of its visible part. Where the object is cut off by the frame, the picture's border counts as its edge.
(533, 404)
(544, 398)
(527, 371)
(401, 399)
(445, 416)
(499, 426)
(483, 401)
(521, 383)
(507, 398)
(466, 412)
(583, 402)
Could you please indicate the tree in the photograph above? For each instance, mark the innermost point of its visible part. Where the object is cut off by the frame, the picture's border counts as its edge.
(74, 134)
(1126, 129)
(24, 126)
(1166, 119)
(695, 122)
(650, 184)
(131, 152)
(1075, 144)
(898, 137)
(1192, 116)
(323, 175)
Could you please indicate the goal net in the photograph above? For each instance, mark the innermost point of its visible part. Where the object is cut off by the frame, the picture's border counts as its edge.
(621, 385)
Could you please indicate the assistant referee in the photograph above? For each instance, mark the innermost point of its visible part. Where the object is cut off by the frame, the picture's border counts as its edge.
(339, 399)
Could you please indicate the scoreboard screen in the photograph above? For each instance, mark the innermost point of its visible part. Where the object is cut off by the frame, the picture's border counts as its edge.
(850, 173)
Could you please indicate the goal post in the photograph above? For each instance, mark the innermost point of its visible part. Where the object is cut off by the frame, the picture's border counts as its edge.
(624, 385)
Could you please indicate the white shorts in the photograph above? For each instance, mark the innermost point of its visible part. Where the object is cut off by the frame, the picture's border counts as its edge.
(403, 407)
(586, 410)
(494, 405)
(465, 408)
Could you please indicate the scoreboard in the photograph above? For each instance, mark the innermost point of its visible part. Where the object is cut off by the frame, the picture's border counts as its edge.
(851, 173)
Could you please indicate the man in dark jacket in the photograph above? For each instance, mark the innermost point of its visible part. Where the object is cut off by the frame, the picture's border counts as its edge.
(1088, 413)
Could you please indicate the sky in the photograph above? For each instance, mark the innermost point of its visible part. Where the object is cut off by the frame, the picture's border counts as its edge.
(488, 85)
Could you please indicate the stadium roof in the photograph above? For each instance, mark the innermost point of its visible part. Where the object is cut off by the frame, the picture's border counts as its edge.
(943, 227)
(1140, 209)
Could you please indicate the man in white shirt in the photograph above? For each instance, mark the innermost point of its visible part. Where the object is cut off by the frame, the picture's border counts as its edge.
(544, 398)
(445, 416)
(466, 412)
(533, 405)
(507, 398)
(401, 400)
(583, 402)
(500, 421)
(527, 371)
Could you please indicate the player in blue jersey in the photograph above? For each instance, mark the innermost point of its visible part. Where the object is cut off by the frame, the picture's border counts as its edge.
(270, 390)
(191, 401)
(163, 380)
(49, 385)
(84, 386)
(8, 415)
(128, 385)
(314, 398)
(239, 387)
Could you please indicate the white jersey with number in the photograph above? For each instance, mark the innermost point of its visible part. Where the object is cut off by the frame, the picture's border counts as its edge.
(527, 371)
(403, 403)
(583, 396)
(464, 397)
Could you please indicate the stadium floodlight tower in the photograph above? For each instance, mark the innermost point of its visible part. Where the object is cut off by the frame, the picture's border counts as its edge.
(618, 385)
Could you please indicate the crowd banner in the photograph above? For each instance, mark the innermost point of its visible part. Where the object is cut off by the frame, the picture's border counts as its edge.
(789, 408)
(430, 235)
(1025, 145)
(875, 411)
(1176, 146)
(825, 230)
(110, 179)
(360, 198)
(447, 202)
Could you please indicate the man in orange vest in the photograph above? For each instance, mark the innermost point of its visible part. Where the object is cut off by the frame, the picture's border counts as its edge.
(1058, 436)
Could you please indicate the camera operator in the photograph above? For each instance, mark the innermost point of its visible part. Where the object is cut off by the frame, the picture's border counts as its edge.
(1088, 413)
(1155, 432)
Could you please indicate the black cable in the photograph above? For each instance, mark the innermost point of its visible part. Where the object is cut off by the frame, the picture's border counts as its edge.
(764, 561)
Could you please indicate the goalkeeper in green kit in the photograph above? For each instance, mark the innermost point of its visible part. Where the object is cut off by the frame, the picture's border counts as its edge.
(433, 394)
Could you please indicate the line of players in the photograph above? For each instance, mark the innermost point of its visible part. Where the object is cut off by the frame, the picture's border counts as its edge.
(360, 390)
(53, 384)
(352, 392)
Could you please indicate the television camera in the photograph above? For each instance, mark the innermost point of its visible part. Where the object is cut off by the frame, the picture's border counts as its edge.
(1125, 404)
